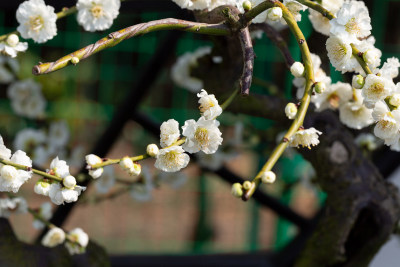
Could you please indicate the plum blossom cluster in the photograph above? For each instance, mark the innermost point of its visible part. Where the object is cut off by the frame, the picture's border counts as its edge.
(75, 241)
(37, 21)
(378, 97)
(201, 135)
(63, 190)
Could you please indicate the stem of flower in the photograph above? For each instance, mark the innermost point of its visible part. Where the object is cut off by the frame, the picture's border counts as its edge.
(317, 7)
(363, 64)
(305, 101)
(27, 168)
(230, 99)
(37, 216)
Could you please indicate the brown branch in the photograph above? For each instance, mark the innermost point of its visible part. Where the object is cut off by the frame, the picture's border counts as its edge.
(116, 37)
(248, 61)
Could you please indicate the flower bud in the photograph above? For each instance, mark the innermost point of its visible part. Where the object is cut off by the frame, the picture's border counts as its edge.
(54, 237)
(268, 177)
(394, 100)
(358, 81)
(237, 190)
(135, 170)
(370, 56)
(152, 150)
(12, 40)
(274, 13)
(246, 5)
(297, 69)
(291, 111)
(126, 163)
(247, 185)
(319, 87)
(74, 60)
(69, 182)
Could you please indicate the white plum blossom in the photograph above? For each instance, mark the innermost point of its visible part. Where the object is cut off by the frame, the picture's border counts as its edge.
(152, 150)
(45, 211)
(169, 132)
(354, 114)
(209, 107)
(333, 97)
(42, 187)
(181, 70)
(340, 54)
(202, 135)
(171, 159)
(291, 111)
(274, 14)
(11, 178)
(390, 68)
(97, 15)
(376, 88)
(132, 168)
(305, 138)
(320, 23)
(79, 239)
(142, 192)
(387, 122)
(352, 21)
(58, 194)
(106, 181)
(16, 205)
(59, 168)
(37, 21)
(371, 54)
(54, 237)
(27, 99)
(12, 46)
(93, 160)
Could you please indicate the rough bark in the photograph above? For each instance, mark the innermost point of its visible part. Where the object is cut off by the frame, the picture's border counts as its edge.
(362, 208)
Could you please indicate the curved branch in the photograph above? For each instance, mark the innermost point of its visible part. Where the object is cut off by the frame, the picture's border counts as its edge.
(317, 7)
(116, 37)
(305, 101)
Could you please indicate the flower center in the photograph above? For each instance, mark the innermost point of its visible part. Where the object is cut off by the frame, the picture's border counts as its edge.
(339, 51)
(376, 90)
(36, 23)
(352, 27)
(97, 11)
(206, 105)
(333, 100)
(55, 238)
(201, 136)
(172, 158)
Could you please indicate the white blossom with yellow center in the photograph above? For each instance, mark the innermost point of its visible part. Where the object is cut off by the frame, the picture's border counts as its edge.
(352, 21)
(54, 237)
(340, 53)
(97, 15)
(11, 179)
(171, 159)
(354, 114)
(202, 135)
(375, 89)
(305, 138)
(37, 21)
(387, 122)
(209, 106)
(80, 241)
(334, 96)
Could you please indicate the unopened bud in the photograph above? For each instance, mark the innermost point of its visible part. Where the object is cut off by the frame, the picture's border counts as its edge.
(136, 170)
(237, 190)
(370, 56)
(126, 163)
(319, 87)
(394, 100)
(358, 81)
(12, 40)
(297, 69)
(152, 150)
(69, 182)
(291, 111)
(274, 13)
(268, 177)
(247, 185)
(246, 5)
(74, 60)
